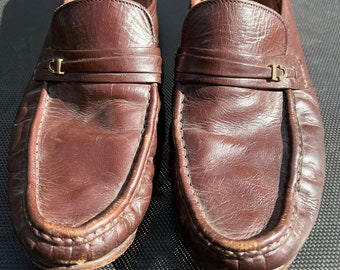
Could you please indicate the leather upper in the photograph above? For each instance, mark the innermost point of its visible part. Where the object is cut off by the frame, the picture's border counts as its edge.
(80, 164)
(248, 142)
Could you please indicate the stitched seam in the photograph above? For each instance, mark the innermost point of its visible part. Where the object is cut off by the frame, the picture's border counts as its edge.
(267, 248)
(37, 146)
(141, 8)
(300, 159)
(101, 230)
(182, 137)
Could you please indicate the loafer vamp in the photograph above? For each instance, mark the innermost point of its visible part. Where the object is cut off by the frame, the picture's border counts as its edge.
(85, 148)
(234, 162)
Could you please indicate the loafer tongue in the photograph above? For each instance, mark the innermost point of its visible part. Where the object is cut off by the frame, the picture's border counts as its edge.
(242, 27)
(86, 25)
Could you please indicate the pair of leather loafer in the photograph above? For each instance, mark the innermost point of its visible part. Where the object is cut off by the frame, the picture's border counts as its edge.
(248, 138)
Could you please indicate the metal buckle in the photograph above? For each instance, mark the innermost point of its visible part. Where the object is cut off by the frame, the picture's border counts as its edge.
(54, 66)
(275, 69)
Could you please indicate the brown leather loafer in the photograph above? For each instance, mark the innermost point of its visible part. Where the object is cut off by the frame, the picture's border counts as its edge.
(81, 157)
(248, 136)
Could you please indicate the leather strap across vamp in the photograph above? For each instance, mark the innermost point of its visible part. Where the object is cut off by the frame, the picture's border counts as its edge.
(248, 136)
(81, 156)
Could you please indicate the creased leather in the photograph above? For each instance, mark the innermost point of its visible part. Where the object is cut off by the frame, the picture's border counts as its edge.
(80, 165)
(227, 132)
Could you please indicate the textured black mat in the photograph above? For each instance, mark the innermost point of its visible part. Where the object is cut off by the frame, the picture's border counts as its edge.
(23, 28)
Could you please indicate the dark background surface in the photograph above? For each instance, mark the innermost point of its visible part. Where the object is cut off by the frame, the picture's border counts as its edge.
(23, 27)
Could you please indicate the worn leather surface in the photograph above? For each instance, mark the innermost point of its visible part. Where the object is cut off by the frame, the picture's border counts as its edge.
(250, 158)
(80, 163)
(24, 25)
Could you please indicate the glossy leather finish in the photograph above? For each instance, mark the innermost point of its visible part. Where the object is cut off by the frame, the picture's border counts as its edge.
(248, 136)
(81, 157)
